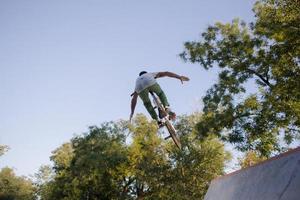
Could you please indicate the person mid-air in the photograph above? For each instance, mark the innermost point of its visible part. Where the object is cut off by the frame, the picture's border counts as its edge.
(145, 83)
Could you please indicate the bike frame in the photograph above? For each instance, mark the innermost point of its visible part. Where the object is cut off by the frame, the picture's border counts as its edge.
(171, 129)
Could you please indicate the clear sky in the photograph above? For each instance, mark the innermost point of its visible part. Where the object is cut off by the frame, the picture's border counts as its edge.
(66, 65)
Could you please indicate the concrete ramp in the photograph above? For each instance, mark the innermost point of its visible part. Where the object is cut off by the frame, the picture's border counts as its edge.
(275, 179)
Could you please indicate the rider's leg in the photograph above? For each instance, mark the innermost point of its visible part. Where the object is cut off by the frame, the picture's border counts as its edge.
(144, 95)
(160, 93)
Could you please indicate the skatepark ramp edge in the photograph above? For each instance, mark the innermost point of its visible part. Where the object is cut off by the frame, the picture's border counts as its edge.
(272, 179)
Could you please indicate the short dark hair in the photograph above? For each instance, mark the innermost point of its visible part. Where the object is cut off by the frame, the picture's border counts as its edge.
(142, 72)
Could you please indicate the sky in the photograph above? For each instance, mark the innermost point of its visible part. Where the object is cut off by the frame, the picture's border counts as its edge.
(66, 65)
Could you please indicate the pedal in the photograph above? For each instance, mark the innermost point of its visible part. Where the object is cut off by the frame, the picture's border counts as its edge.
(167, 137)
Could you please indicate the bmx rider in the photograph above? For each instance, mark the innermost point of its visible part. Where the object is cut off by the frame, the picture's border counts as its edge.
(145, 83)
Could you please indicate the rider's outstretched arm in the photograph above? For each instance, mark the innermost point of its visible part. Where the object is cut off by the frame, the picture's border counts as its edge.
(172, 75)
(133, 103)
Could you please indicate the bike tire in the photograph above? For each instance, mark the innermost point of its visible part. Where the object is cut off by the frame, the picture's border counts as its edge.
(172, 132)
(168, 124)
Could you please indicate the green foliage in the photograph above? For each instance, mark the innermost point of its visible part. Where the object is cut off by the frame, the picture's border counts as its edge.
(161, 171)
(147, 160)
(250, 158)
(62, 157)
(265, 54)
(3, 149)
(43, 182)
(197, 164)
(54, 183)
(195, 167)
(104, 166)
(13, 187)
(94, 170)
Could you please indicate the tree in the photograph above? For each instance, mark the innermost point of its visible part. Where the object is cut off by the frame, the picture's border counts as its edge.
(3, 149)
(13, 187)
(196, 164)
(250, 158)
(162, 171)
(90, 166)
(62, 157)
(54, 182)
(44, 182)
(266, 54)
(148, 161)
(100, 165)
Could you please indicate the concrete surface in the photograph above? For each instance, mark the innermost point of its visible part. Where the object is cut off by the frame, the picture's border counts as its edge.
(275, 179)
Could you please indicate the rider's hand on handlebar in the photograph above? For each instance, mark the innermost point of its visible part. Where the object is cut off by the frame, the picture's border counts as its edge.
(183, 78)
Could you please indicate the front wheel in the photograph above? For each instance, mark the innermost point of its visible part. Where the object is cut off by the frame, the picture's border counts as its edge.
(172, 132)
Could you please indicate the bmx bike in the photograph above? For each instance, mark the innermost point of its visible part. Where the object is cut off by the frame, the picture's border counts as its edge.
(164, 115)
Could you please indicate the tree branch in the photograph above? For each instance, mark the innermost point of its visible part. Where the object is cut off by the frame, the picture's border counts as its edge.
(266, 81)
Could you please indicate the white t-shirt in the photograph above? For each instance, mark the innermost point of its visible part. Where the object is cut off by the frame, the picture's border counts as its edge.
(144, 81)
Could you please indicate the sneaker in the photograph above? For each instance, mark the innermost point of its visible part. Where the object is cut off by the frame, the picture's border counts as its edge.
(160, 114)
(172, 115)
(168, 109)
(160, 124)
